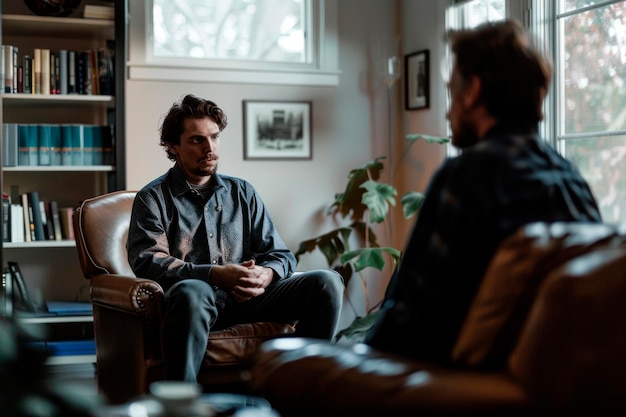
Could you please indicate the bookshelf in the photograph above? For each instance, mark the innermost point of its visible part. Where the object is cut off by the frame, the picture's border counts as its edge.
(50, 267)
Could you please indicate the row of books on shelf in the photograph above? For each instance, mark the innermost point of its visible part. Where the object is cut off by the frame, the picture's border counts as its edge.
(46, 71)
(32, 144)
(27, 218)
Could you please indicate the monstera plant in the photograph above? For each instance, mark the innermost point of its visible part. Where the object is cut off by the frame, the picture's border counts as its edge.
(354, 247)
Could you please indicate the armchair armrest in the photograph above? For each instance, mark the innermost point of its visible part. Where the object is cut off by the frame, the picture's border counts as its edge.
(136, 296)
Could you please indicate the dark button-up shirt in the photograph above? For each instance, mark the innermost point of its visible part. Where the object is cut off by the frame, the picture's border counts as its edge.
(473, 202)
(176, 234)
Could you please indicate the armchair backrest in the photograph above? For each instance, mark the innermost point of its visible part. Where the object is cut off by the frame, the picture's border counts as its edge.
(101, 228)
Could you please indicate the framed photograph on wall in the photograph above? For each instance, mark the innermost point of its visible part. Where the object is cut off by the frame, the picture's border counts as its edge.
(277, 129)
(417, 80)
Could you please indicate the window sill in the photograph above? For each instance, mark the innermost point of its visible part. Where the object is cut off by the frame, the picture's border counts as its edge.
(220, 75)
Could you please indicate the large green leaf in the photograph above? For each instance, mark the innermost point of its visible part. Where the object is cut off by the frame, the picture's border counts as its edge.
(358, 329)
(370, 257)
(350, 201)
(413, 137)
(332, 244)
(377, 198)
(411, 203)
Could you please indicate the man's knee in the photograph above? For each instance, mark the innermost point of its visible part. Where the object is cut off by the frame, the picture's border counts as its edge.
(192, 292)
(329, 281)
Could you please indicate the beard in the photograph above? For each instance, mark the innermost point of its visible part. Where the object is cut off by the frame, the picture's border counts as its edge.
(207, 172)
(464, 134)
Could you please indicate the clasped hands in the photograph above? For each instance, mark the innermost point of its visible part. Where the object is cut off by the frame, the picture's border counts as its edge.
(242, 281)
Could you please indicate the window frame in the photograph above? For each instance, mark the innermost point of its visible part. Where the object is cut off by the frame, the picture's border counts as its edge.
(321, 70)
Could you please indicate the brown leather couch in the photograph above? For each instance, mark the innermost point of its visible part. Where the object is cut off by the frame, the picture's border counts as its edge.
(546, 335)
(128, 311)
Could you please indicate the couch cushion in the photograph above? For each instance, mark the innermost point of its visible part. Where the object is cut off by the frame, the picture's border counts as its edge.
(311, 377)
(573, 347)
(510, 285)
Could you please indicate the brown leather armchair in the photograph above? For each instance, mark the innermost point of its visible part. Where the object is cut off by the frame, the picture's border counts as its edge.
(128, 311)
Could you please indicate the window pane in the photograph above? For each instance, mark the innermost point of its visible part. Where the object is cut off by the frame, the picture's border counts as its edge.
(256, 30)
(594, 69)
(472, 13)
(601, 160)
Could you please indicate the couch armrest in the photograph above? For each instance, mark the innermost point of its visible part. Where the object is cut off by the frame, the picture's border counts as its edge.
(302, 376)
(136, 296)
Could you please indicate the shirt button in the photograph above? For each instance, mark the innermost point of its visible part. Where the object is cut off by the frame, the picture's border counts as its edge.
(219, 208)
(214, 261)
(210, 234)
(206, 208)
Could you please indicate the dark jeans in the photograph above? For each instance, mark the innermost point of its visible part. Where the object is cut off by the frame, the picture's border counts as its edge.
(312, 298)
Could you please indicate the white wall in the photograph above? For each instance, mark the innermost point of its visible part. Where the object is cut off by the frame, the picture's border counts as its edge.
(349, 122)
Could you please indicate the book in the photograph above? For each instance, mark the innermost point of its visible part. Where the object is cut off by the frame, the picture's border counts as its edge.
(49, 224)
(67, 227)
(20, 79)
(28, 144)
(28, 230)
(17, 223)
(92, 11)
(2, 68)
(45, 71)
(53, 72)
(88, 148)
(36, 220)
(66, 144)
(94, 78)
(78, 143)
(9, 144)
(56, 220)
(16, 64)
(105, 72)
(37, 71)
(82, 73)
(7, 52)
(6, 217)
(72, 87)
(27, 63)
(55, 145)
(44, 144)
(63, 74)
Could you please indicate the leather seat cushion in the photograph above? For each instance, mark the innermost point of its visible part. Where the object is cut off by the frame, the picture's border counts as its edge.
(239, 343)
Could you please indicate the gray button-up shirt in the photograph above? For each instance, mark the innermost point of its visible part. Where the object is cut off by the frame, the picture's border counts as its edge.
(175, 234)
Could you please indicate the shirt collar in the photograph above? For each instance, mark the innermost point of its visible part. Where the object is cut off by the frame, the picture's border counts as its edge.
(179, 183)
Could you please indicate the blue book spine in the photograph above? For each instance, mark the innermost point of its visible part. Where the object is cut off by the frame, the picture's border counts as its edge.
(23, 139)
(9, 144)
(44, 145)
(88, 145)
(66, 145)
(98, 146)
(55, 145)
(33, 144)
(78, 144)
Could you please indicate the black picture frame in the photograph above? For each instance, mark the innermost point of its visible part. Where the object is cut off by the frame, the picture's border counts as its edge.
(277, 129)
(417, 80)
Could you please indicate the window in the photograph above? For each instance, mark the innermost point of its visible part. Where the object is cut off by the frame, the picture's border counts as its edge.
(253, 30)
(249, 41)
(590, 63)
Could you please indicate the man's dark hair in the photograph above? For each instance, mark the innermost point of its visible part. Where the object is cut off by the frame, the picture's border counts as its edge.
(189, 107)
(514, 74)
